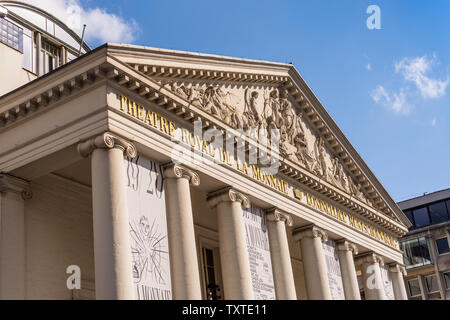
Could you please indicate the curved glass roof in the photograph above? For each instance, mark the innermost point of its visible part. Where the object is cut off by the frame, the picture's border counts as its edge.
(35, 18)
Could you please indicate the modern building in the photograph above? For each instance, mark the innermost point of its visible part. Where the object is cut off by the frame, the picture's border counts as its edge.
(143, 173)
(426, 246)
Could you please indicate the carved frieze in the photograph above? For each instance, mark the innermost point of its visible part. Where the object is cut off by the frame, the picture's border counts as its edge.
(270, 108)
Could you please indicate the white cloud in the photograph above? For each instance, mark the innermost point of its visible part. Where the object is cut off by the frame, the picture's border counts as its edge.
(416, 69)
(433, 122)
(395, 101)
(379, 93)
(369, 67)
(102, 26)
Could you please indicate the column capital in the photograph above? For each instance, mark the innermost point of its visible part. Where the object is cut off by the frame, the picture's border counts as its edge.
(369, 257)
(345, 245)
(228, 195)
(15, 185)
(107, 140)
(175, 171)
(310, 231)
(276, 215)
(397, 267)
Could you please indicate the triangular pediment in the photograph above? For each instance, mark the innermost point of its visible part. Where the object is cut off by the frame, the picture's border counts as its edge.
(256, 107)
(247, 94)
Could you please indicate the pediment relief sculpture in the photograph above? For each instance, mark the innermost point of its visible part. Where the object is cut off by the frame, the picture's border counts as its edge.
(270, 108)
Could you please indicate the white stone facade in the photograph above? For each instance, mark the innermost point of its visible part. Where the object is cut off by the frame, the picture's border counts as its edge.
(65, 186)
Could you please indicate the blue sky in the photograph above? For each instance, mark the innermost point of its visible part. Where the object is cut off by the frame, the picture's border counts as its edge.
(388, 90)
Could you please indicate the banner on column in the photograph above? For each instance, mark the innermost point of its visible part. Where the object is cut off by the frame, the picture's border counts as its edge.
(148, 229)
(334, 270)
(259, 253)
(387, 283)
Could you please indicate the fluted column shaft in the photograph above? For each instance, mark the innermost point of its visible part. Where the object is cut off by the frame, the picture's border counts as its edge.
(232, 243)
(112, 250)
(13, 193)
(371, 276)
(314, 265)
(346, 250)
(180, 227)
(280, 256)
(398, 284)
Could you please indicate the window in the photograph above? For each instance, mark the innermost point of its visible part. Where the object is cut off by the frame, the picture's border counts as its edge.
(209, 267)
(432, 285)
(362, 294)
(11, 34)
(447, 279)
(28, 50)
(433, 213)
(416, 252)
(49, 57)
(421, 217)
(442, 245)
(414, 287)
(408, 214)
(438, 212)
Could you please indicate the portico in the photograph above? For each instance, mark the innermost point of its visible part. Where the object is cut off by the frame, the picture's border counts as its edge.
(181, 201)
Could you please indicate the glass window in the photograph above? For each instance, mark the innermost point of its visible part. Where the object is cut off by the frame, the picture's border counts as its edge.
(408, 214)
(438, 212)
(50, 27)
(432, 285)
(49, 57)
(209, 264)
(362, 294)
(447, 279)
(416, 252)
(442, 245)
(11, 34)
(421, 217)
(27, 53)
(414, 288)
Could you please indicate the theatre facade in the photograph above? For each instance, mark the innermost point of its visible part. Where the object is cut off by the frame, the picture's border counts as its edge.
(163, 174)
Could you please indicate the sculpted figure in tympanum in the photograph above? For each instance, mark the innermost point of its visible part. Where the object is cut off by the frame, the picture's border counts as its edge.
(255, 108)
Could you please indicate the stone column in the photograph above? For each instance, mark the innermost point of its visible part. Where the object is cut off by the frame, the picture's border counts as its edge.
(371, 275)
(38, 54)
(112, 250)
(397, 272)
(346, 250)
(314, 265)
(279, 252)
(234, 258)
(13, 193)
(184, 269)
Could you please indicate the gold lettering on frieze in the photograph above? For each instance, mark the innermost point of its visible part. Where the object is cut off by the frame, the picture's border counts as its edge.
(147, 116)
(348, 219)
